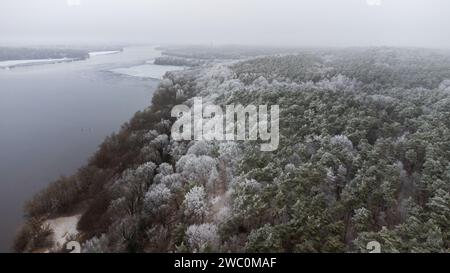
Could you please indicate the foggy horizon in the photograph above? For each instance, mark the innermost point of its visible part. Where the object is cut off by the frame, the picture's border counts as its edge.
(286, 23)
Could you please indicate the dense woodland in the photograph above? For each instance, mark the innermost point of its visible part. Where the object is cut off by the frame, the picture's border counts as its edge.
(223, 52)
(364, 155)
(12, 53)
(34, 53)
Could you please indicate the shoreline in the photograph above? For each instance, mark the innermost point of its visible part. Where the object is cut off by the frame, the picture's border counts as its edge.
(102, 86)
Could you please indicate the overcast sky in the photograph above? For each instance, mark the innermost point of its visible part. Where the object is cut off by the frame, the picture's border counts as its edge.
(422, 23)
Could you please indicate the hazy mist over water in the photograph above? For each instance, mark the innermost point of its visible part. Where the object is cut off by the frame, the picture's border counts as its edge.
(419, 23)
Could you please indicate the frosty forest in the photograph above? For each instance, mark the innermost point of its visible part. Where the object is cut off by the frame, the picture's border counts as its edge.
(225, 126)
(363, 156)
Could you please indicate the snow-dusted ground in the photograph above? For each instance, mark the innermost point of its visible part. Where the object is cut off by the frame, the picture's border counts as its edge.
(147, 70)
(99, 53)
(63, 228)
(14, 63)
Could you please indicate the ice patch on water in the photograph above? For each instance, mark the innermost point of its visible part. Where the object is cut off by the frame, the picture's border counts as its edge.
(147, 70)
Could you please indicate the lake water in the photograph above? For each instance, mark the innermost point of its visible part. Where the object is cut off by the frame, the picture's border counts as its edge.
(53, 117)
